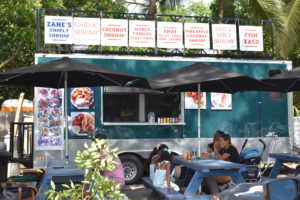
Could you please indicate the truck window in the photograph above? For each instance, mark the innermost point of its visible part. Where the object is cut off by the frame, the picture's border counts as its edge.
(163, 105)
(130, 105)
(121, 107)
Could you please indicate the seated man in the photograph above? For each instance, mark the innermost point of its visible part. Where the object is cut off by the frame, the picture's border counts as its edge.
(117, 174)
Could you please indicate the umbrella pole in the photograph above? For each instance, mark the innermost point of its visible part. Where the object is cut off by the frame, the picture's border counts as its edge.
(66, 117)
(199, 124)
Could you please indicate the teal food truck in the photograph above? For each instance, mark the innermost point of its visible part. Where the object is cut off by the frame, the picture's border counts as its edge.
(135, 120)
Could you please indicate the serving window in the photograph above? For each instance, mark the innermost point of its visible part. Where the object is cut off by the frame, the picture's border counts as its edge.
(163, 105)
(131, 105)
(121, 107)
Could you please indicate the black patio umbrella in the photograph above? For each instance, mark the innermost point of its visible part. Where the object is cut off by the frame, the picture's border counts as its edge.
(205, 78)
(288, 81)
(65, 73)
(52, 74)
(211, 78)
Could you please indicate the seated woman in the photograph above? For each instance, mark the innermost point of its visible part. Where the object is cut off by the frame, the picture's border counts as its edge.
(155, 157)
(162, 174)
(117, 174)
(227, 152)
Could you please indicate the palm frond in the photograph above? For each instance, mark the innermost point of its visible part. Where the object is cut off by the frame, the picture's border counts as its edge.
(274, 11)
(292, 30)
(172, 4)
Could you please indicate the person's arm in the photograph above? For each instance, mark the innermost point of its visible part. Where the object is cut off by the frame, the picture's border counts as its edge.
(296, 149)
(223, 156)
(168, 175)
(155, 159)
(205, 155)
(156, 166)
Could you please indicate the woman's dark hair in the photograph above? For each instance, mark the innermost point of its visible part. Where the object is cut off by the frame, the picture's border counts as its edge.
(153, 153)
(211, 146)
(218, 134)
(156, 150)
(226, 137)
(165, 155)
(162, 147)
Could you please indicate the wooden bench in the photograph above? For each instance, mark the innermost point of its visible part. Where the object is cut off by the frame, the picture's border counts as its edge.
(168, 194)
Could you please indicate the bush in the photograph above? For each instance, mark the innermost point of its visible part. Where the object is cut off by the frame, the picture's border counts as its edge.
(94, 186)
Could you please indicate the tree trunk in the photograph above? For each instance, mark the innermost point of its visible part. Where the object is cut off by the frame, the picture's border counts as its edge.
(152, 9)
(12, 57)
(221, 11)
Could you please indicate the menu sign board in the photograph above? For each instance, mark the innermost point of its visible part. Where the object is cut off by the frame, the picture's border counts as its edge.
(169, 35)
(251, 38)
(224, 36)
(58, 30)
(86, 31)
(196, 36)
(141, 33)
(49, 133)
(135, 33)
(114, 32)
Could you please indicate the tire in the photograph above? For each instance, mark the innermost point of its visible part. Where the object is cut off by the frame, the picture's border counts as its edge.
(133, 168)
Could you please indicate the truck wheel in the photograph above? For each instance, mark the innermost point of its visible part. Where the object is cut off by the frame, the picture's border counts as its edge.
(133, 168)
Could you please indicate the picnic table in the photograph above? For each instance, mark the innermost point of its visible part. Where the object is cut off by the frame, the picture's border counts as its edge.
(208, 167)
(280, 158)
(54, 172)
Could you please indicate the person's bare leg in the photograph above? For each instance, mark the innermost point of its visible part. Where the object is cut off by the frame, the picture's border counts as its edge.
(212, 185)
(216, 197)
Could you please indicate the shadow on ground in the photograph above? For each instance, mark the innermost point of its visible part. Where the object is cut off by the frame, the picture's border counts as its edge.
(139, 192)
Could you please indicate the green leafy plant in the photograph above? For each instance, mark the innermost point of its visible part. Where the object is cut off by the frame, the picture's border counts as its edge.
(94, 186)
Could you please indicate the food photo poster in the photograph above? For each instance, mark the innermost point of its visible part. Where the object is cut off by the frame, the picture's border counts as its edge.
(191, 100)
(49, 133)
(83, 123)
(82, 98)
(221, 101)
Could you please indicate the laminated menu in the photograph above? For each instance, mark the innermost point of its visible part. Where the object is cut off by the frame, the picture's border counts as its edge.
(49, 133)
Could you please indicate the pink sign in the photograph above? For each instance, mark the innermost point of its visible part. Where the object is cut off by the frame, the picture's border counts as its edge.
(169, 35)
(224, 36)
(251, 38)
(191, 100)
(86, 31)
(114, 32)
(196, 36)
(141, 33)
(221, 101)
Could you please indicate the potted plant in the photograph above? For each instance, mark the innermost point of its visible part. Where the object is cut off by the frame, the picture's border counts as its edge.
(94, 185)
